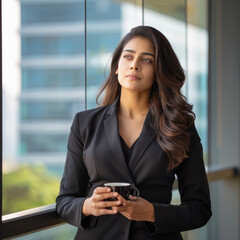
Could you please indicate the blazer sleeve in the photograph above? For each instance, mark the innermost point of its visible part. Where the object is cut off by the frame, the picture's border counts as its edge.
(195, 208)
(75, 182)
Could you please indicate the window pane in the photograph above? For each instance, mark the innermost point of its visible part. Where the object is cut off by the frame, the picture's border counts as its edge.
(198, 66)
(48, 12)
(107, 21)
(48, 110)
(44, 78)
(42, 143)
(43, 92)
(35, 46)
(63, 232)
(43, 88)
(103, 10)
(169, 18)
(188, 21)
(189, 24)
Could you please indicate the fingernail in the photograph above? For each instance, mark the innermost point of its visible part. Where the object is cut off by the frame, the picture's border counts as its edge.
(115, 194)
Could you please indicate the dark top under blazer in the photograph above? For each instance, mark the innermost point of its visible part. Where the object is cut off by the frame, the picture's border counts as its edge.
(95, 157)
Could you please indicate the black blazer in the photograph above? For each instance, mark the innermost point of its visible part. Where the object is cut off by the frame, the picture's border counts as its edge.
(95, 156)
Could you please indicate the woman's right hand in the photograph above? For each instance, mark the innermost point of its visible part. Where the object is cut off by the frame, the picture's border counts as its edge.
(97, 205)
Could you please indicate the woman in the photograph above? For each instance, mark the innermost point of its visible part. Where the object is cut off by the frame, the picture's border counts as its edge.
(143, 134)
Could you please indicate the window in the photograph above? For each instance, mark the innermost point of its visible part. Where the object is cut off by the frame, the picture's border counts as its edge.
(43, 88)
(48, 110)
(104, 10)
(51, 45)
(38, 12)
(40, 143)
(50, 73)
(47, 79)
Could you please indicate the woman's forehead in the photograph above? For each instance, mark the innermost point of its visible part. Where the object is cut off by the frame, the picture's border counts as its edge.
(139, 44)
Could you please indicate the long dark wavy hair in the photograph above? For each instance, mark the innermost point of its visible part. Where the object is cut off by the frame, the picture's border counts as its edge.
(172, 115)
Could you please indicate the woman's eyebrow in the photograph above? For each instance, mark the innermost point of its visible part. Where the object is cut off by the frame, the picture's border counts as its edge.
(143, 53)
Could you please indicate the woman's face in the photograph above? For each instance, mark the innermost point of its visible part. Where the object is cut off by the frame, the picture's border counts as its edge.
(136, 67)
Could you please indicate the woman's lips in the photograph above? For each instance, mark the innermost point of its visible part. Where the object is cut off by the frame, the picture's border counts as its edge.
(133, 77)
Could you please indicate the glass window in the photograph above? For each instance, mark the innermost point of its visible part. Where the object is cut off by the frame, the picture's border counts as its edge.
(51, 45)
(117, 18)
(103, 10)
(48, 12)
(42, 143)
(63, 232)
(42, 94)
(43, 78)
(188, 21)
(49, 110)
(197, 65)
(43, 88)
(104, 43)
(170, 19)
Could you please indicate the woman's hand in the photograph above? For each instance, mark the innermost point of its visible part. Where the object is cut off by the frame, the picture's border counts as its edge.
(96, 204)
(138, 209)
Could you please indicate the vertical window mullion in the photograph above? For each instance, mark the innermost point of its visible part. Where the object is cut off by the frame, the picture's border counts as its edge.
(143, 12)
(85, 50)
(1, 116)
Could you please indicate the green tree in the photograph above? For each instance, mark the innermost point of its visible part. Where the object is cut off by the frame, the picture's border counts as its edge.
(28, 187)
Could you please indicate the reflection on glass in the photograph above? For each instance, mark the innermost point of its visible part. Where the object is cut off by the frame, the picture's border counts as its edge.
(41, 143)
(49, 110)
(107, 21)
(35, 46)
(37, 12)
(42, 90)
(198, 65)
(50, 85)
(46, 79)
(185, 25)
(62, 232)
(169, 18)
(44, 82)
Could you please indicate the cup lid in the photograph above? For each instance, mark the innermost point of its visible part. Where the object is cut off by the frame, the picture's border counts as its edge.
(116, 184)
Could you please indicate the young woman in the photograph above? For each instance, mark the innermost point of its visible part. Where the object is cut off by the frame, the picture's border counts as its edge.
(143, 133)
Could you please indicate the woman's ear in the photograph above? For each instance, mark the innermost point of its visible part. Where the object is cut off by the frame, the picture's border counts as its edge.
(116, 71)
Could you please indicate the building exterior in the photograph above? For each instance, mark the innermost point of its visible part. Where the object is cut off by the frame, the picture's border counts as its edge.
(58, 78)
(53, 71)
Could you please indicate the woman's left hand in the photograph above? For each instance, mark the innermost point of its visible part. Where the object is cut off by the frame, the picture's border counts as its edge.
(137, 209)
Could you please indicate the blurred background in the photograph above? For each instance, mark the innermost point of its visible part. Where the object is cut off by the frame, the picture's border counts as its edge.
(56, 55)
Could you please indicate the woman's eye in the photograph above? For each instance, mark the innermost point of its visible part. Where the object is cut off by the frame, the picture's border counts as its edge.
(147, 60)
(127, 56)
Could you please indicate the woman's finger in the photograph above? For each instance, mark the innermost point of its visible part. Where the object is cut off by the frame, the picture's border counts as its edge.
(123, 200)
(103, 196)
(100, 190)
(107, 204)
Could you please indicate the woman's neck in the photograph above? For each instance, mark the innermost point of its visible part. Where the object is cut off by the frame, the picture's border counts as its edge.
(133, 105)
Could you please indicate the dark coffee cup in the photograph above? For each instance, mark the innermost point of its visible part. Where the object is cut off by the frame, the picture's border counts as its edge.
(124, 189)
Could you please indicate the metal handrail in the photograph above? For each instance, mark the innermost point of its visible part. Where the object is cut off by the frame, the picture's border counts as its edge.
(37, 219)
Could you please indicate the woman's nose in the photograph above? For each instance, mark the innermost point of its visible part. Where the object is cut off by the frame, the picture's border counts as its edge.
(135, 66)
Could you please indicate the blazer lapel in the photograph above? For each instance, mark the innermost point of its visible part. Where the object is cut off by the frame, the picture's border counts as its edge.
(111, 129)
(146, 137)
